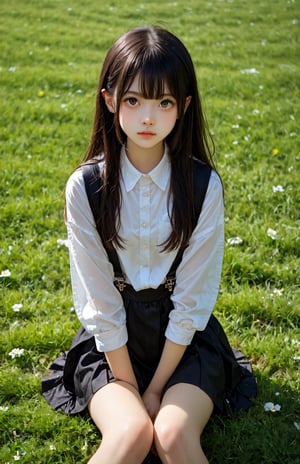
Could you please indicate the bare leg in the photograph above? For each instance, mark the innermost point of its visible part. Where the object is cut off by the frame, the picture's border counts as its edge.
(185, 410)
(127, 431)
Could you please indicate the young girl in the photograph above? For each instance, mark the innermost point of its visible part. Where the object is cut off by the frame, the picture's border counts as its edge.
(150, 361)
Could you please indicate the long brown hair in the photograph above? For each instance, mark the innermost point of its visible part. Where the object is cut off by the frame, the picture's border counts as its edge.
(161, 61)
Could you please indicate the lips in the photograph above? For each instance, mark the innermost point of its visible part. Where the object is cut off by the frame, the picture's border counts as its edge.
(146, 134)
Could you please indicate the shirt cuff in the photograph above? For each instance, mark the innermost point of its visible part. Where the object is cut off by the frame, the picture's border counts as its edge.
(179, 334)
(111, 340)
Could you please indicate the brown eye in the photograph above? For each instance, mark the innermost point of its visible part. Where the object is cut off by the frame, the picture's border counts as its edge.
(132, 101)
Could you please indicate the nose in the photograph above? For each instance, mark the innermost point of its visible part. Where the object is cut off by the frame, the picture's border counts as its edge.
(147, 117)
(147, 122)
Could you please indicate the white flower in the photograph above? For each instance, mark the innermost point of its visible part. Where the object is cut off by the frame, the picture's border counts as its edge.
(250, 71)
(235, 241)
(277, 292)
(272, 233)
(60, 242)
(272, 407)
(18, 456)
(16, 353)
(52, 447)
(16, 307)
(12, 69)
(267, 406)
(5, 273)
(277, 188)
(3, 408)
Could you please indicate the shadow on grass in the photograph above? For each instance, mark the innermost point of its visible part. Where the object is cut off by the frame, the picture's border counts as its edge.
(257, 435)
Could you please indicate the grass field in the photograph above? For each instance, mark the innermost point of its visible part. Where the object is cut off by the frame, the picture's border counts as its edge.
(247, 60)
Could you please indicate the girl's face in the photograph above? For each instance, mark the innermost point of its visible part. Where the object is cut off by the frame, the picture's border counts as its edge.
(146, 122)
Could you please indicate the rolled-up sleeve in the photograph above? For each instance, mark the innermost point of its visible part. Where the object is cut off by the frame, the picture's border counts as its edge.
(97, 302)
(199, 273)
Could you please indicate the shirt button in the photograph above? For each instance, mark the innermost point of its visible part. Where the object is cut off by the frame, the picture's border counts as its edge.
(145, 194)
(144, 224)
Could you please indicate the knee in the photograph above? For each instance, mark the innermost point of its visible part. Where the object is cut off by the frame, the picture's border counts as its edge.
(137, 436)
(169, 436)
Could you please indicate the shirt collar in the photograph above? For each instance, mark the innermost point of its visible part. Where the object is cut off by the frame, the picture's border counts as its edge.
(159, 175)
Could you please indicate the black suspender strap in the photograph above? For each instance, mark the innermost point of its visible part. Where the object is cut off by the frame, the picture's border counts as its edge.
(93, 183)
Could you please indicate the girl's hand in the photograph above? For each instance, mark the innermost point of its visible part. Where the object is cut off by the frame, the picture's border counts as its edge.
(152, 403)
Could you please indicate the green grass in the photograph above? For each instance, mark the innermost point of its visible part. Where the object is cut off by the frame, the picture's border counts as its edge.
(51, 53)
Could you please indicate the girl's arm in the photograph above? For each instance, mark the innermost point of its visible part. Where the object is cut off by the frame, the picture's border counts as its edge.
(120, 365)
(171, 355)
(98, 303)
(199, 273)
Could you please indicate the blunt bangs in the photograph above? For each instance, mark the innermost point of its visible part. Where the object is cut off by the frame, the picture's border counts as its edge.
(159, 67)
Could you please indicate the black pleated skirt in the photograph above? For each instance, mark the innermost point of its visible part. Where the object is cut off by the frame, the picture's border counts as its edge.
(209, 362)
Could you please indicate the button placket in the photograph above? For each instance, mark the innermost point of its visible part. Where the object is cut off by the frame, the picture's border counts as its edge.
(144, 228)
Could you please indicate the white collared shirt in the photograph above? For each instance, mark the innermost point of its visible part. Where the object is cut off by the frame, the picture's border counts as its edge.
(144, 226)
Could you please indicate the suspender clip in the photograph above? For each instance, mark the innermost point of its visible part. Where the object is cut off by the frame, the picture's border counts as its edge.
(170, 283)
(120, 283)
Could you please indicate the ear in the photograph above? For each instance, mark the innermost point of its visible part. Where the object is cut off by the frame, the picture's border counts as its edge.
(109, 100)
(187, 102)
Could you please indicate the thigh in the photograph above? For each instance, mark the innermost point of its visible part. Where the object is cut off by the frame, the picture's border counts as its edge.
(187, 406)
(114, 405)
